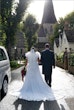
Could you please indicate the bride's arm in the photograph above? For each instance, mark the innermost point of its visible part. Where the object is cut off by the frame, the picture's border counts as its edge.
(39, 57)
(26, 61)
(39, 61)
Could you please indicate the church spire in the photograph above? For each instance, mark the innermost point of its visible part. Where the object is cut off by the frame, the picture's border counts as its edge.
(48, 14)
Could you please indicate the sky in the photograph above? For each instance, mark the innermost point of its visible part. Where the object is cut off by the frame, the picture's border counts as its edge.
(61, 8)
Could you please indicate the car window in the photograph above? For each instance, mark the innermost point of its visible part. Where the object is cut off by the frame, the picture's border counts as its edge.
(2, 55)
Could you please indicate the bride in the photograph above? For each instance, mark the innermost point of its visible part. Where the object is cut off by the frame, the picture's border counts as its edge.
(34, 87)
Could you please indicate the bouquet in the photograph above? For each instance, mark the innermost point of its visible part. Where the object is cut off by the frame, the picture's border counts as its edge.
(23, 73)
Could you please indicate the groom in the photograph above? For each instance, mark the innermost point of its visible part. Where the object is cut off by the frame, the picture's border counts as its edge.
(47, 60)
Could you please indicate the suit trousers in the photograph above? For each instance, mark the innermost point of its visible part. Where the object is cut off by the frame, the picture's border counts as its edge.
(48, 79)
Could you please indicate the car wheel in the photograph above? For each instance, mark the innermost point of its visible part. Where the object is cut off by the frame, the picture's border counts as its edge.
(4, 87)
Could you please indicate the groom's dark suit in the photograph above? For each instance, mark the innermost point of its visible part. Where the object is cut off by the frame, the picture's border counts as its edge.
(47, 60)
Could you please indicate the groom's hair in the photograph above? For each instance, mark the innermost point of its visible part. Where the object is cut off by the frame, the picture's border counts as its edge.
(47, 45)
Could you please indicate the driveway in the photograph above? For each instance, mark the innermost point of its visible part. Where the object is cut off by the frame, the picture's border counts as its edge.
(62, 86)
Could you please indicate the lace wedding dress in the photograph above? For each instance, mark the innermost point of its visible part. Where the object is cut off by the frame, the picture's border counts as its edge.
(34, 87)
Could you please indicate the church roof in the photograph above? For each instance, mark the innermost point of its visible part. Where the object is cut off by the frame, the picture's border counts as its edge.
(48, 15)
(70, 35)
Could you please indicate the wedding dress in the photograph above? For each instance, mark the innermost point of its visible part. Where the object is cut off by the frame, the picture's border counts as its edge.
(34, 87)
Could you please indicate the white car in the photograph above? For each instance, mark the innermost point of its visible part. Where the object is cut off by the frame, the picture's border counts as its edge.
(5, 71)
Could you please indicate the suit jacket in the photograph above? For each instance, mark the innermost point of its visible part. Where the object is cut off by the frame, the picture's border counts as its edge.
(47, 60)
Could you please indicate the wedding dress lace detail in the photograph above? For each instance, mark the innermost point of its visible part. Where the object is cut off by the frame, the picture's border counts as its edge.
(34, 87)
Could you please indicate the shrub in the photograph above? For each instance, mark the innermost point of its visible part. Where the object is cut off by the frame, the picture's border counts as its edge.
(60, 58)
(71, 60)
(14, 64)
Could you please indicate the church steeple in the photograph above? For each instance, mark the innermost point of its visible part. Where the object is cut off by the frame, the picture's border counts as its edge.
(46, 27)
(48, 14)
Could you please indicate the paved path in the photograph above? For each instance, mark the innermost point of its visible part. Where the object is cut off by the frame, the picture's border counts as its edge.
(63, 89)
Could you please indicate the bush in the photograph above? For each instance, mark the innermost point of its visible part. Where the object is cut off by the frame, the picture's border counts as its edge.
(60, 58)
(14, 64)
(71, 60)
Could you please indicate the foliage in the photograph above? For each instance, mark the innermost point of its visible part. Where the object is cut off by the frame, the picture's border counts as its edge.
(61, 23)
(71, 60)
(14, 64)
(11, 15)
(60, 57)
(25, 44)
(2, 34)
(34, 39)
(30, 27)
(56, 28)
(51, 41)
(59, 26)
(70, 19)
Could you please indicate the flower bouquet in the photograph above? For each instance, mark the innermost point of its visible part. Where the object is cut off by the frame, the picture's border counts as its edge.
(23, 73)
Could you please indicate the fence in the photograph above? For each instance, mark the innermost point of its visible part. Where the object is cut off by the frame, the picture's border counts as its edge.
(68, 63)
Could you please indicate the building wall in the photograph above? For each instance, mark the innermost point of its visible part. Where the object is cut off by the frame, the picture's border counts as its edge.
(43, 39)
(48, 28)
(72, 45)
(63, 43)
(56, 49)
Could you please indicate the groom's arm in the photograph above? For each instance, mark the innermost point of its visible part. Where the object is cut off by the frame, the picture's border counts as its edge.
(41, 57)
(53, 59)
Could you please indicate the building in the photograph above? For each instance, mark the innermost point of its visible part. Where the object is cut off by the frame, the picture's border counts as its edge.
(46, 27)
(66, 40)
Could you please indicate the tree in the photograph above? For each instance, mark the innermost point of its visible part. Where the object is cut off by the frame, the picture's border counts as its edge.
(70, 19)
(2, 34)
(11, 15)
(59, 26)
(30, 27)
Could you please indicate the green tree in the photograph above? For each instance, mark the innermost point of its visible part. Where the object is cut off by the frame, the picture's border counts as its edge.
(30, 27)
(59, 26)
(2, 34)
(70, 19)
(11, 15)
(61, 22)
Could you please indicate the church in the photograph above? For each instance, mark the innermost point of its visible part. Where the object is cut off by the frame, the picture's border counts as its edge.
(44, 32)
(46, 26)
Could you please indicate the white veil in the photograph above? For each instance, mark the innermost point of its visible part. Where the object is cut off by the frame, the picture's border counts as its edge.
(32, 50)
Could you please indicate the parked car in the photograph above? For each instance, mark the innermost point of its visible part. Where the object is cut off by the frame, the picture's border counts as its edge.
(5, 71)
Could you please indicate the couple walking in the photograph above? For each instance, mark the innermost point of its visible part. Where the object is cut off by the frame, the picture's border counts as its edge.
(34, 87)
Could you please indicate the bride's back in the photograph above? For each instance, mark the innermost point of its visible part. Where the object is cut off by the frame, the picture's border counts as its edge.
(32, 57)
